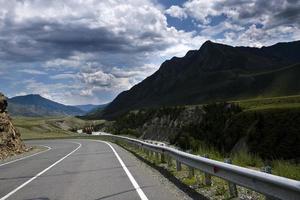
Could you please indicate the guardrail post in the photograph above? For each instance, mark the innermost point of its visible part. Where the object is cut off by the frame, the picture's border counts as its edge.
(207, 177)
(232, 187)
(143, 149)
(169, 158)
(178, 165)
(162, 157)
(268, 170)
(148, 153)
(191, 172)
(156, 156)
(140, 148)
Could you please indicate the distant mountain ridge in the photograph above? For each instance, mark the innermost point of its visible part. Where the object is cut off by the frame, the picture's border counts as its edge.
(215, 72)
(86, 108)
(94, 113)
(34, 105)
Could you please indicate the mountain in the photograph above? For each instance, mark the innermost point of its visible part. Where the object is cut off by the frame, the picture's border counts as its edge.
(86, 108)
(215, 72)
(34, 105)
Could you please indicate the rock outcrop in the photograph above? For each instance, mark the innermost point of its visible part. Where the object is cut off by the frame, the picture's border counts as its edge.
(168, 125)
(10, 140)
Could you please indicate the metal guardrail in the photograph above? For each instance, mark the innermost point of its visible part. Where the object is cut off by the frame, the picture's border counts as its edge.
(270, 185)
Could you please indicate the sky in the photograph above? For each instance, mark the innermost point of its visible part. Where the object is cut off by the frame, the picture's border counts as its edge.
(88, 51)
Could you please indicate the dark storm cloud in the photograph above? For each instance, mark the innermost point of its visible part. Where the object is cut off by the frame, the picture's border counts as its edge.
(37, 41)
(36, 31)
(278, 12)
(290, 15)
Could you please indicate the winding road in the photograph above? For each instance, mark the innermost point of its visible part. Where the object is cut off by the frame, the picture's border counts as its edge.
(81, 169)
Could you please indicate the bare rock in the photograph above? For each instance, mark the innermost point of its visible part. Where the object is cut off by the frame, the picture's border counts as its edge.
(3, 103)
(10, 138)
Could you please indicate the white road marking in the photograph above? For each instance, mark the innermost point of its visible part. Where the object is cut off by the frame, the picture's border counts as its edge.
(131, 178)
(48, 148)
(39, 174)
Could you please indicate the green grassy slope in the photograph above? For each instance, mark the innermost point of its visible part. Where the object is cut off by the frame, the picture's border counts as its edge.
(283, 102)
(47, 127)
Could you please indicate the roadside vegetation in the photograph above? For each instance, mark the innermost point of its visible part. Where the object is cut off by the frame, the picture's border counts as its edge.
(254, 133)
(218, 190)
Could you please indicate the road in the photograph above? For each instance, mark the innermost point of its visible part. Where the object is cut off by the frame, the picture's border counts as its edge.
(81, 169)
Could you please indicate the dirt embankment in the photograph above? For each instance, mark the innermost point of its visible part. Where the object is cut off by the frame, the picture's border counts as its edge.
(10, 140)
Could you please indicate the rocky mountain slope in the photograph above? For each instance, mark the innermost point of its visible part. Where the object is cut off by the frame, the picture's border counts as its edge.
(215, 72)
(10, 140)
(34, 105)
(163, 127)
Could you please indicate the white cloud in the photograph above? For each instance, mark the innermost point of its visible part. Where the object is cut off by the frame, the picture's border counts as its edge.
(176, 11)
(202, 9)
(63, 76)
(221, 27)
(32, 71)
(100, 48)
(249, 23)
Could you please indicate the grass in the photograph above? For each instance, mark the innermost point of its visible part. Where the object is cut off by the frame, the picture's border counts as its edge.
(286, 169)
(244, 159)
(269, 103)
(211, 152)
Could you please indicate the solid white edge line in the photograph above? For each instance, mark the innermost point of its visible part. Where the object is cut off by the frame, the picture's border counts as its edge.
(39, 174)
(131, 178)
(48, 148)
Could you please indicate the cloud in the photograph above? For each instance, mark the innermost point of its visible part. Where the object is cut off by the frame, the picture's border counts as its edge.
(176, 11)
(32, 71)
(220, 28)
(89, 51)
(250, 23)
(116, 79)
(268, 13)
(64, 27)
(63, 76)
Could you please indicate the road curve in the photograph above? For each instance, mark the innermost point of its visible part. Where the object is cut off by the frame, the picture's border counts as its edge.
(81, 169)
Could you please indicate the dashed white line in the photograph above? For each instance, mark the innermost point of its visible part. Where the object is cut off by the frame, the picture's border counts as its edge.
(131, 178)
(48, 148)
(39, 174)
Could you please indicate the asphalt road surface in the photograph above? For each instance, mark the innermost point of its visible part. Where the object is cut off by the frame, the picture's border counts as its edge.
(81, 169)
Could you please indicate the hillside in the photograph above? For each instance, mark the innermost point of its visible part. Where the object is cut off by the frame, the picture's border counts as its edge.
(215, 72)
(35, 106)
(261, 127)
(47, 127)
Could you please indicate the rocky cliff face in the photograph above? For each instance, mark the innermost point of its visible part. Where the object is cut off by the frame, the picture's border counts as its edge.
(10, 140)
(165, 126)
